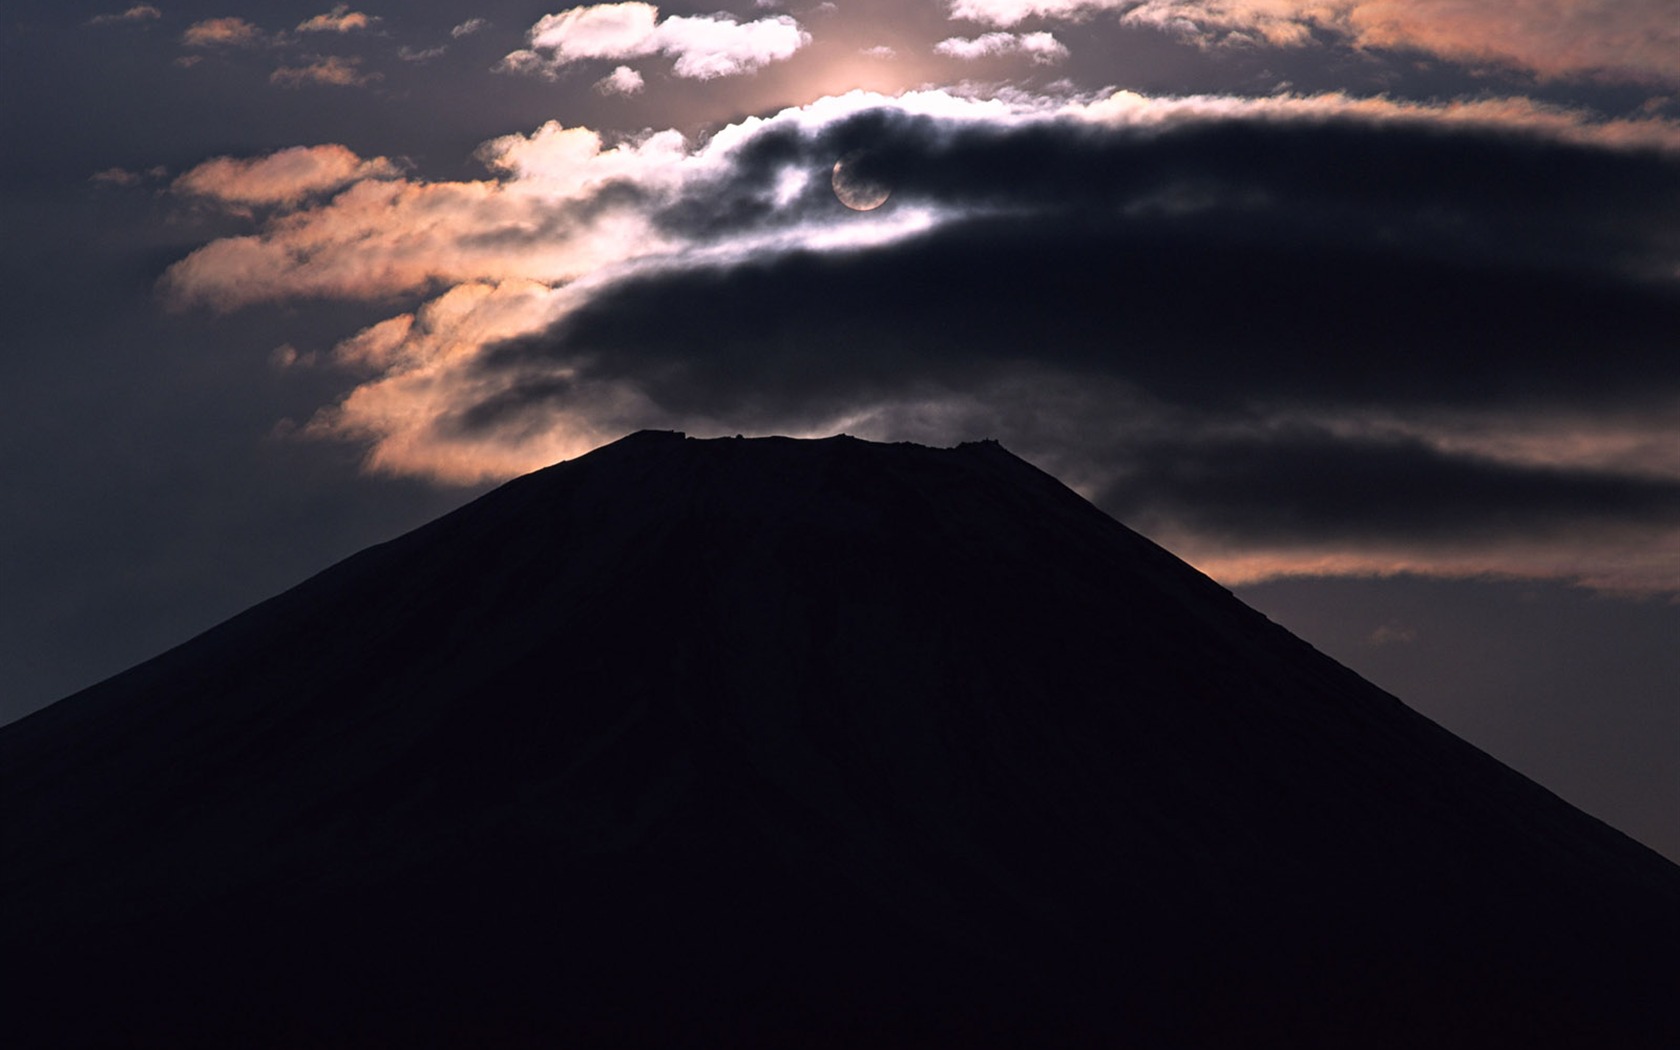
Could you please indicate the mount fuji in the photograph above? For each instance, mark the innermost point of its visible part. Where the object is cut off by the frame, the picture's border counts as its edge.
(769, 742)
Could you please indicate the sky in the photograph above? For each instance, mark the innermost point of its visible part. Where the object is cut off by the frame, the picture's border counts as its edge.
(1370, 309)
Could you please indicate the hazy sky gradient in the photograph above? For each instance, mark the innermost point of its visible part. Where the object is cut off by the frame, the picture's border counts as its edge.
(1369, 307)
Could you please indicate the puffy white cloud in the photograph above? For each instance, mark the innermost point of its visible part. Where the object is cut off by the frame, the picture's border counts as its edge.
(281, 178)
(703, 47)
(1043, 48)
(598, 31)
(339, 20)
(1013, 12)
(621, 81)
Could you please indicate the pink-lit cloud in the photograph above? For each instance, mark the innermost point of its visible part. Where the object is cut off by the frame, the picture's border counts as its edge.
(1638, 39)
(339, 20)
(621, 81)
(703, 47)
(284, 177)
(223, 32)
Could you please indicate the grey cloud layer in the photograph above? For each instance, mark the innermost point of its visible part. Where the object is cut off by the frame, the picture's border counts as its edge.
(1253, 283)
(1414, 328)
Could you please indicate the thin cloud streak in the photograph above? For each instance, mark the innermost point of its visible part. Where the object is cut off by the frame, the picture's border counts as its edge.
(328, 70)
(137, 13)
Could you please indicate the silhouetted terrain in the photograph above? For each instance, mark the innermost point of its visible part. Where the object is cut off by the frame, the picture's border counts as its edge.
(795, 744)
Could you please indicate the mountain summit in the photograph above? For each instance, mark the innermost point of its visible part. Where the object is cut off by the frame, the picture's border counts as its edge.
(795, 743)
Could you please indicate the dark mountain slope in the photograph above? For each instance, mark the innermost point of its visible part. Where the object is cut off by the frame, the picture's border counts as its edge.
(774, 742)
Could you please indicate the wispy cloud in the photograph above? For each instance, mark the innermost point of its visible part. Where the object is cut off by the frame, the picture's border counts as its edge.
(137, 13)
(469, 27)
(703, 47)
(328, 70)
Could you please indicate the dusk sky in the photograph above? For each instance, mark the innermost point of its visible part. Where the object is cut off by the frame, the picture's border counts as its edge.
(1370, 309)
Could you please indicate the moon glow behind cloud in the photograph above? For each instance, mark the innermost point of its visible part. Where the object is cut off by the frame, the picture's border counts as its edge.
(855, 191)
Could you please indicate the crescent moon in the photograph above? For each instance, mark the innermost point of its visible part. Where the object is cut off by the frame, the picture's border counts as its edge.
(855, 192)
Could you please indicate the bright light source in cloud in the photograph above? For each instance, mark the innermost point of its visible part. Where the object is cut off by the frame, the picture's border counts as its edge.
(703, 47)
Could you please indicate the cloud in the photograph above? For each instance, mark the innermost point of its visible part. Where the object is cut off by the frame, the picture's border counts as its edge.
(1391, 633)
(621, 81)
(704, 47)
(329, 70)
(1041, 47)
(1637, 39)
(223, 32)
(120, 177)
(1284, 335)
(285, 177)
(339, 20)
(469, 27)
(1014, 12)
(137, 13)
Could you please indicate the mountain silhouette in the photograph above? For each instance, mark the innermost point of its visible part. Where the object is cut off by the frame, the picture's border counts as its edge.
(765, 742)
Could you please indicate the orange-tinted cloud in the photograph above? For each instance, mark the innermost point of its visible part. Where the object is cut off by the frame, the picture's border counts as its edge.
(222, 32)
(284, 177)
